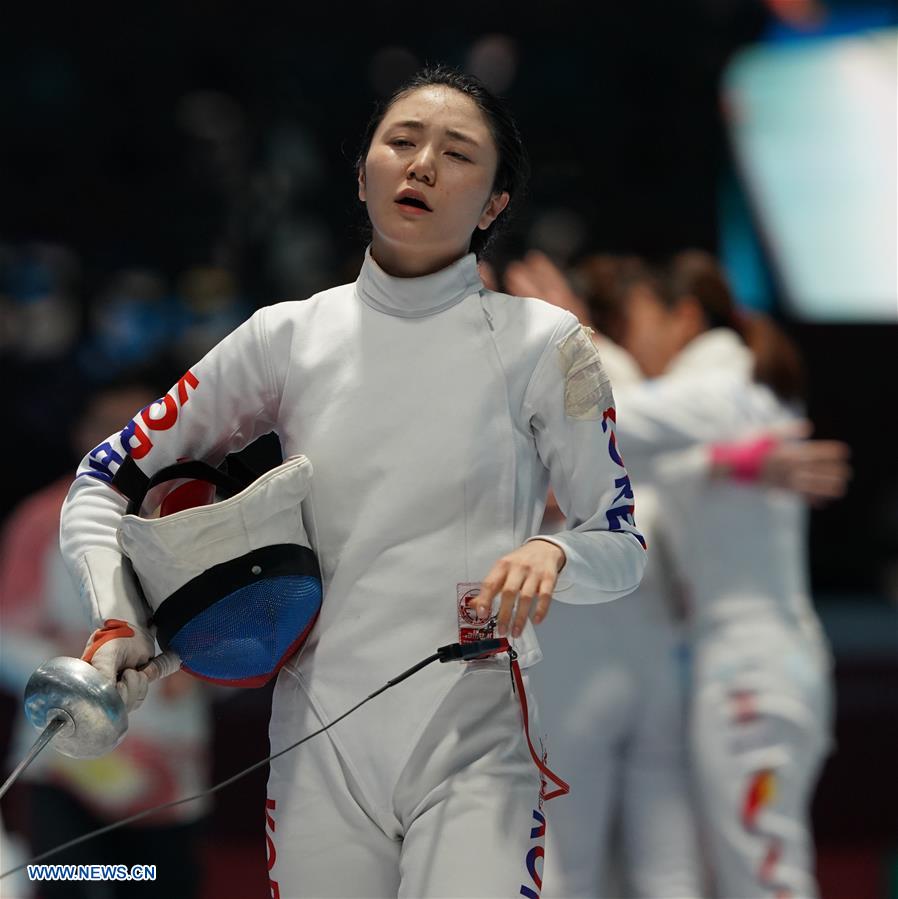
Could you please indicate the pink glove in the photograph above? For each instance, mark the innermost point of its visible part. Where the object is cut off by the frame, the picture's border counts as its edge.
(116, 650)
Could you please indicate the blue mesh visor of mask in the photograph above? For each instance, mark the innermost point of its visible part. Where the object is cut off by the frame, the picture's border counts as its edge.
(233, 586)
(238, 622)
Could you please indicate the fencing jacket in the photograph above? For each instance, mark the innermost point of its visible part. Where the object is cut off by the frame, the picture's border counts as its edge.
(435, 414)
(741, 547)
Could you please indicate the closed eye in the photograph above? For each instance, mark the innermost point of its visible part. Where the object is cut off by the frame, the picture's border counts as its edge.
(459, 155)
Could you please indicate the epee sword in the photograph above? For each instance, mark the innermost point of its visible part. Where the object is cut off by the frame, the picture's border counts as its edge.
(78, 709)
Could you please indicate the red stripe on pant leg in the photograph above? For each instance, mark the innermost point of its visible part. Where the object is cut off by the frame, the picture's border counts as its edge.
(271, 850)
(535, 853)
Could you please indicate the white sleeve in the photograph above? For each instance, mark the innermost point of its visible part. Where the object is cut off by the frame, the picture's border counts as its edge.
(572, 416)
(221, 404)
(691, 467)
(676, 412)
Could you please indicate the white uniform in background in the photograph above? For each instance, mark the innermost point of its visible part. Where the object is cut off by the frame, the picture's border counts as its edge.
(760, 720)
(613, 707)
(435, 413)
(611, 693)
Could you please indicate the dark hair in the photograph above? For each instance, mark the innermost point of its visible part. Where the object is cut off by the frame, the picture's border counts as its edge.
(778, 363)
(604, 281)
(513, 169)
(697, 274)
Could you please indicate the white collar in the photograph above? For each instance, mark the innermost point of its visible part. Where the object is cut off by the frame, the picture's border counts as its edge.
(719, 348)
(421, 296)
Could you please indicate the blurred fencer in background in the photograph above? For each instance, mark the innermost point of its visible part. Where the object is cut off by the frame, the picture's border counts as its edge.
(761, 696)
(611, 694)
(754, 775)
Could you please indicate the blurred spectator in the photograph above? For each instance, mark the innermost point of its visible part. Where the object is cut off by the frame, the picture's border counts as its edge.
(40, 323)
(131, 322)
(210, 307)
(42, 317)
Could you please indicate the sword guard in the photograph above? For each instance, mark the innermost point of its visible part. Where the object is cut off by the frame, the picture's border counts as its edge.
(72, 689)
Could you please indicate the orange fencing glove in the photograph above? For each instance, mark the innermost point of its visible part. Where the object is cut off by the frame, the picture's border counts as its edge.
(117, 650)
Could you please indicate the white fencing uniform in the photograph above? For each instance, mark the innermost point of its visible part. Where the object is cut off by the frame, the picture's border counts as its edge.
(435, 413)
(613, 707)
(761, 692)
(612, 700)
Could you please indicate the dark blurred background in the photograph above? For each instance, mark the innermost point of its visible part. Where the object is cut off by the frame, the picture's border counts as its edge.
(166, 169)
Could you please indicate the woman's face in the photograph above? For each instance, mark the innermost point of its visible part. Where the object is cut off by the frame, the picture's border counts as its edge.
(435, 143)
(650, 334)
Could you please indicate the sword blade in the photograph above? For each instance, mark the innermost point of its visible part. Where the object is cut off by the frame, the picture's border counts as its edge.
(47, 734)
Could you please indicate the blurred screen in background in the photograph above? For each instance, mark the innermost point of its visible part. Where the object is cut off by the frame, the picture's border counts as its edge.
(813, 129)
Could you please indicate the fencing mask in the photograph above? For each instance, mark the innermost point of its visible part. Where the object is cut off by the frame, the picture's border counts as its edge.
(233, 587)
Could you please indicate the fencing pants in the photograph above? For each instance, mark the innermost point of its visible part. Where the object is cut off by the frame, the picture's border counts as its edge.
(759, 734)
(463, 819)
(611, 703)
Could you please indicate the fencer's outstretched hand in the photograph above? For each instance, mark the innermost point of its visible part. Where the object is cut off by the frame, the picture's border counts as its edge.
(818, 470)
(785, 458)
(117, 650)
(537, 276)
(527, 574)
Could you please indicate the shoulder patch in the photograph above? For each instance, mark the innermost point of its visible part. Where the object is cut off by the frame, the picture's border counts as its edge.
(587, 390)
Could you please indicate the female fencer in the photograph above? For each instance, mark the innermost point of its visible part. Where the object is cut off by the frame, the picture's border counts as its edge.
(435, 414)
(760, 705)
(706, 385)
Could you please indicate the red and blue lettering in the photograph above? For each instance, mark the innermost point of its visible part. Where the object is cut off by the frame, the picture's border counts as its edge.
(133, 431)
(538, 832)
(610, 415)
(535, 854)
(133, 440)
(626, 490)
(166, 420)
(271, 852)
(619, 515)
(100, 458)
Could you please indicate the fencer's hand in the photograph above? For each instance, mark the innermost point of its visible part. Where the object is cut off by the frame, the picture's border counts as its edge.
(117, 650)
(527, 574)
(817, 470)
(537, 276)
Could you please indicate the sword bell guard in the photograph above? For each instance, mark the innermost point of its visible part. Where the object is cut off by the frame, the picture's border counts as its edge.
(72, 689)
